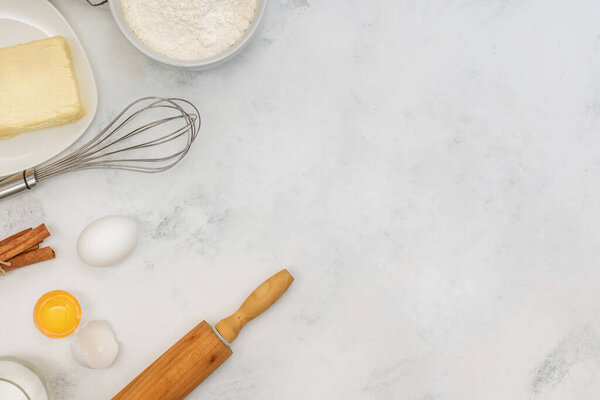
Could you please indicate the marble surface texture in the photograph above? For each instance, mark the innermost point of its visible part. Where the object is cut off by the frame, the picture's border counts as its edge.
(427, 169)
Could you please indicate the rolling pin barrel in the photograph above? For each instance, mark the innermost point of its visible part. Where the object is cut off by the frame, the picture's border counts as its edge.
(195, 356)
(17, 183)
(180, 369)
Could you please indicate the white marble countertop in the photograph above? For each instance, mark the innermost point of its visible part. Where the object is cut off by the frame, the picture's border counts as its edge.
(428, 171)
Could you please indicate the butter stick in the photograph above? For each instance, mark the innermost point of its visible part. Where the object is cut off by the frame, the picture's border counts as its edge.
(38, 86)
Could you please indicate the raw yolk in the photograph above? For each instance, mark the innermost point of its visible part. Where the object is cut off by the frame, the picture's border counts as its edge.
(57, 314)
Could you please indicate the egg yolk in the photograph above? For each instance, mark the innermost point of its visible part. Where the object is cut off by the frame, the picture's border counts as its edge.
(57, 314)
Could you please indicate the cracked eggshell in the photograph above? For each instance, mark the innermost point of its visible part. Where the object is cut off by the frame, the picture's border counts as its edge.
(108, 240)
(94, 345)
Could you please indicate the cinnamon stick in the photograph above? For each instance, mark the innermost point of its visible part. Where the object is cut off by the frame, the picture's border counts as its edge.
(23, 242)
(31, 257)
(37, 246)
(16, 235)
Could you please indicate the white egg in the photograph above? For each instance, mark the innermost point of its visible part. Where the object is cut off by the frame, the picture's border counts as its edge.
(94, 345)
(108, 240)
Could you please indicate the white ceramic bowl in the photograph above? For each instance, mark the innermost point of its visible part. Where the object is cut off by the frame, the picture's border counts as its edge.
(205, 63)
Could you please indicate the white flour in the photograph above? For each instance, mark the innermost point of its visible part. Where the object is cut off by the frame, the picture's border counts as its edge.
(189, 29)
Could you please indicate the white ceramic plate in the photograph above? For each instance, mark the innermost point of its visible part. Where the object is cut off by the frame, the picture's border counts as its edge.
(22, 21)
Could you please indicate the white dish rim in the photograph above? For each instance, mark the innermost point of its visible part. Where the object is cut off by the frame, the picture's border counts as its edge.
(57, 25)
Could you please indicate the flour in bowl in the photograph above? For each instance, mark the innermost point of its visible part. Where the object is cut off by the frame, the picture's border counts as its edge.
(189, 29)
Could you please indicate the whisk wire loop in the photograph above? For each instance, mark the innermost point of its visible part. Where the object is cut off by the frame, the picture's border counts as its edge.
(101, 150)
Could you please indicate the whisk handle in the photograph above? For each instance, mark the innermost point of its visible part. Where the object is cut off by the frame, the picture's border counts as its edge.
(17, 183)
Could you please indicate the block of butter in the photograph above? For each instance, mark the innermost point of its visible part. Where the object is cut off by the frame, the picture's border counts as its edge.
(38, 87)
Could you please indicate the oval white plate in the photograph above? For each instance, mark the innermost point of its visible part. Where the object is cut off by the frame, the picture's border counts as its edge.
(22, 21)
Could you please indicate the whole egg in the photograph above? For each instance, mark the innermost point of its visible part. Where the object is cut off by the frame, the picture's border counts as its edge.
(108, 240)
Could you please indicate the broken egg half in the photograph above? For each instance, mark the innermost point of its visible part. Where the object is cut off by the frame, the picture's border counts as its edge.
(94, 345)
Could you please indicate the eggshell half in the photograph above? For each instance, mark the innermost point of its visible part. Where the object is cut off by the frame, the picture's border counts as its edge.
(94, 345)
(107, 241)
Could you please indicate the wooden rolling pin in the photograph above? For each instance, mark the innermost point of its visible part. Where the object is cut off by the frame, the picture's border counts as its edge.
(195, 356)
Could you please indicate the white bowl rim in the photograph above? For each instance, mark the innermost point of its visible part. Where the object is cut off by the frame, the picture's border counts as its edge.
(190, 64)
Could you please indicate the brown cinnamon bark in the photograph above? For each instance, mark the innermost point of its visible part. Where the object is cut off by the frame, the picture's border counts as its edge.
(31, 257)
(23, 242)
(37, 246)
(16, 235)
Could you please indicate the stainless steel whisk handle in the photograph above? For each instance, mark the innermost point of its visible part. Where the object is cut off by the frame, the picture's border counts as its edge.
(17, 183)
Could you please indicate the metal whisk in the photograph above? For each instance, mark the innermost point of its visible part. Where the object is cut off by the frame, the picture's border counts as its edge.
(164, 128)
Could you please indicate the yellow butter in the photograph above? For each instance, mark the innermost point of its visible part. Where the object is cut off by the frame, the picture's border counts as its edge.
(38, 87)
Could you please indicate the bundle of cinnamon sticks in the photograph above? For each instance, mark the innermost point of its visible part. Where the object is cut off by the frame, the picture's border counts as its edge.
(23, 248)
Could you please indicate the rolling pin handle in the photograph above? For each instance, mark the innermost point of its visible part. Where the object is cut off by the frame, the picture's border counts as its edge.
(258, 302)
(17, 183)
